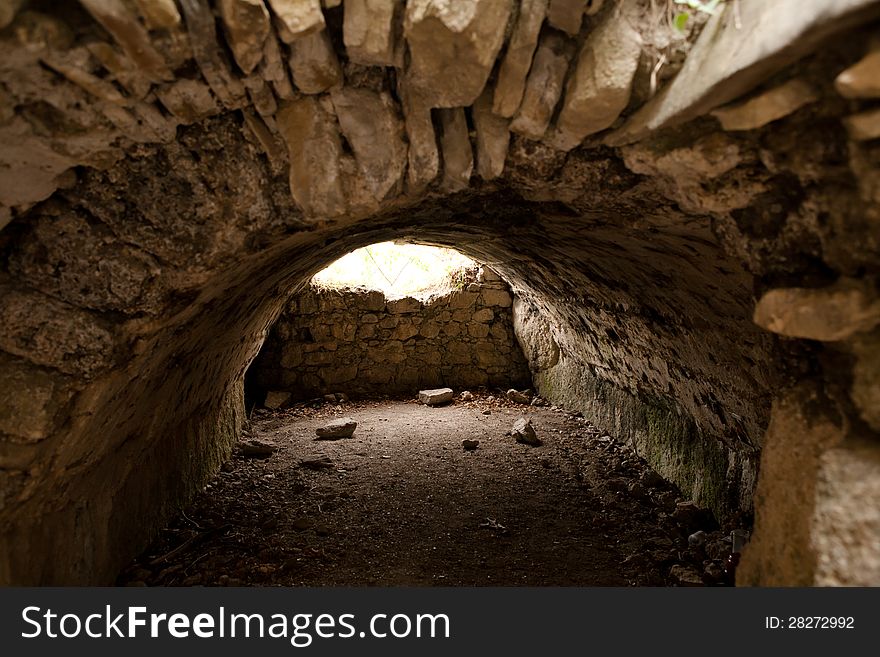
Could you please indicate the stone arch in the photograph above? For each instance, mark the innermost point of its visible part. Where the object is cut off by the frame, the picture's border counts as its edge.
(163, 196)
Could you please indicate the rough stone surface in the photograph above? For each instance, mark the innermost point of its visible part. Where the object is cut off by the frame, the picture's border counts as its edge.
(370, 124)
(862, 80)
(315, 150)
(493, 137)
(737, 51)
(452, 47)
(524, 432)
(766, 107)
(600, 87)
(436, 396)
(370, 32)
(297, 18)
(275, 399)
(518, 397)
(566, 15)
(423, 156)
(828, 314)
(458, 156)
(518, 58)
(247, 24)
(342, 427)
(866, 379)
(863, 126)
(543, 89)
(782, 550)
(314, 66)
(846, 521)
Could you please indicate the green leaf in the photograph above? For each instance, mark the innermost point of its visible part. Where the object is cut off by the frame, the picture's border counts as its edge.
(680, 21)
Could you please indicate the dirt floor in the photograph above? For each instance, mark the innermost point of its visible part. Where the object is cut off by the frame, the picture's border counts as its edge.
(403, 503)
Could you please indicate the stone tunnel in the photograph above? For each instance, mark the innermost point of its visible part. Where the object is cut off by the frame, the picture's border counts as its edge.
(688, 216)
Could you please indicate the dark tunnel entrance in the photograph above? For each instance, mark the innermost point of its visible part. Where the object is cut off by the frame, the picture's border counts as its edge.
(594, 483)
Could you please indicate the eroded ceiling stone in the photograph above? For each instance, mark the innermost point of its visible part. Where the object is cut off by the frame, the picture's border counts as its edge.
(601, 84)
(452, 47)
(518, 57)
(297, 18)
(370, 32)
(315, 153)
(247, 25)
(370, 123)
(769, 106)
(829, 314)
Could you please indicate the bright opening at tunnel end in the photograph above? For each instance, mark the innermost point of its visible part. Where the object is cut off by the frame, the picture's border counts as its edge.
(398, 270)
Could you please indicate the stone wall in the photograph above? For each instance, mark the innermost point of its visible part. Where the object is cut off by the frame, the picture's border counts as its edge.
(361, 343)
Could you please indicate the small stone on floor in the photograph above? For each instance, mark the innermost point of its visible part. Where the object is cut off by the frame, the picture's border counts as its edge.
(342, 427)
(436, 396)
(524, 432)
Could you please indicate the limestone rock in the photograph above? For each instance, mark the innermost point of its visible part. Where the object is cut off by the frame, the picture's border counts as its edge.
(188, 100)
(862, 79)
(315, 150)
(864, 125)
(119, 20)
(403, 306)
(493, 137)
(369, 122)
(829, 314)
(518, 397)
(8, 10)
(317, 462)
(518, 58)
(273, 68)
(269, 142)
(313, 63)
(524, 432)
(458, 158)
(275, 399)
(601, 85)
(209, 54)
(436, 396)
(500, 298)
(866, 380)
(566, 15)
(845, 524)
(368, 31)
(247, 26)
(29, 401)
(732, 57)
(483, 315)
(423, 156)
(297, 18)
(342, 427)
(452, 47)
(54, 334)
(769, 106)
(159, 14)
(543, 89)
(262, 98)
(254, 449)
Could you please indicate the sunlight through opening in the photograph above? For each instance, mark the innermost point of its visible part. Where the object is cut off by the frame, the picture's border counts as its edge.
(398, 270)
